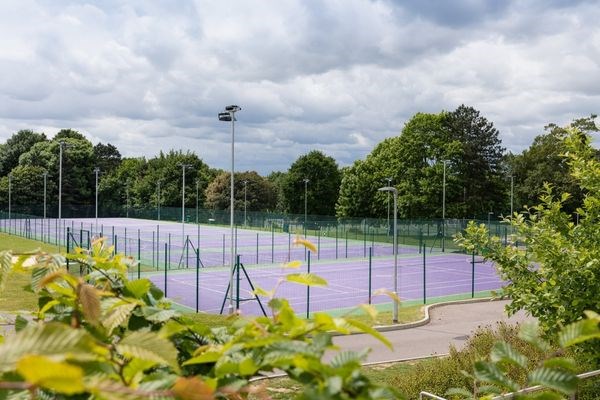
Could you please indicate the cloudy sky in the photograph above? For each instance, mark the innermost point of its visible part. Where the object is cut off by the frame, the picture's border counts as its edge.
(334, 75)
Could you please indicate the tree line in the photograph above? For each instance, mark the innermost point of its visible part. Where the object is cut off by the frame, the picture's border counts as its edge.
(461, 148)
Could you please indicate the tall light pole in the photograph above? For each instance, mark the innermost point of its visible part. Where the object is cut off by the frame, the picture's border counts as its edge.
(229, 116)
(197, 198)
(305, 180)
(245, 200)
(9, 200)
(45, 175)
(183, 167)
(96, 171)
(444, 209)
(158, 199)
(512, 194)
(127, 204)
(389, 183)
(395, 192)
(62, 145)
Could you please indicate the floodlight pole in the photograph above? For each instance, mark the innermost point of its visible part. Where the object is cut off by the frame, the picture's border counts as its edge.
(395, 192)
(45, 175)
(9, 200)
(183, 167)
(245, 201)
(306, 180)
(512, 193)
(229, 115)
(61, 145)
(127, 204)
(389, 183)
(96, 171)
(444, 209)
(197, 198)
(158, 199)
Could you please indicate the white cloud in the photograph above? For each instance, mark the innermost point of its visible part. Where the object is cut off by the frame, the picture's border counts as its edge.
(338, 76)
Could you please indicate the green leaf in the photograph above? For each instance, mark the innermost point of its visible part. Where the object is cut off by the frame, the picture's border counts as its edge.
(21, 323)
(171, 328)
(345, 358)
(155, 314)
(530, 333)
(60, 377)
(5, 266)
(561, 362)
(117, 315)
(248, 366)
(560, 380)
(490, 373)
(51, 339)
(149, 346)
(204, 358)
(371, 331)
(138, 288)
(307, 279)
(578, 332)
(504, 352)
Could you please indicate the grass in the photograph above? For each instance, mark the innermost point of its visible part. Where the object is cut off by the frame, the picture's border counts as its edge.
(20, 245)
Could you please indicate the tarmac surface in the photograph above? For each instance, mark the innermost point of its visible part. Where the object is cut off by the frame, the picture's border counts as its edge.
(450, 324)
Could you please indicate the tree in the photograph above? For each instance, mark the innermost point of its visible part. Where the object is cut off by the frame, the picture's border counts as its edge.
(277, 179)
(479, 171)
(17, 144)
(415, 163)
(543, 162)
(323, 187)
(558, 277)
(77, 166)
(107, 157)
(260, 193)
(27, 190)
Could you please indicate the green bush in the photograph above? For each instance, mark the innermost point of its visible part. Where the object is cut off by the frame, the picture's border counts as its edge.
(440, 374)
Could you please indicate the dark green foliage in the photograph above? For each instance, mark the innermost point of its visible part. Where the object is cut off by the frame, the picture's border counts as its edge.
(15, 146)
(322, 189)
(259, 192)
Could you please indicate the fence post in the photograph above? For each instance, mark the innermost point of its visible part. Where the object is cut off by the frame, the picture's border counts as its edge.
(424, 274)
(224, 251)
(257, 247)
(365, 241)
(370, 271)
(139, 255)
(68, 246)
(153, 252)
(346, 232)
(115, 243)
(272, 243)
(336, 241)
(157, 246)
(308, 288)
(197, 279)
(319, 244)
(169, 251)
(166, 256)
(473, 275)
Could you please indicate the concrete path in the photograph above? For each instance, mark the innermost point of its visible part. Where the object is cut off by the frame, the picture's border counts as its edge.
(450, 324)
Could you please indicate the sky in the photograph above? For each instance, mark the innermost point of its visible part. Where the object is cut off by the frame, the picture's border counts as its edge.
(337, 76)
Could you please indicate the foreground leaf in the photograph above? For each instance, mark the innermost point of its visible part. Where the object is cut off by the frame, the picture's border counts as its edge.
(60, 377)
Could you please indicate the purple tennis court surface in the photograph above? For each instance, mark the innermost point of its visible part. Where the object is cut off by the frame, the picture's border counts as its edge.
(342, 261)
(348, 283)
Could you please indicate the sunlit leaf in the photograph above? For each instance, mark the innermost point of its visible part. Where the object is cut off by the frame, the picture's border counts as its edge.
(149, 346)
(293, 264)
(307, 279)
(60, 377)
(560, 380)
(306, 243)
(370, 310)
(385, 292)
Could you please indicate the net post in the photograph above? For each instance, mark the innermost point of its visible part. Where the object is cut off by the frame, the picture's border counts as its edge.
(237, 282)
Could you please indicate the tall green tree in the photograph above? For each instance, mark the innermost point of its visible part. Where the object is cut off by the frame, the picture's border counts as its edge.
(27, 189)
(323, 187)
(15, 146)
(461, 140)
(107, 157)
(544, 162)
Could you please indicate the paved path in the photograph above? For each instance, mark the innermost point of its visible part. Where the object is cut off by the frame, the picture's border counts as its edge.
(450, 324)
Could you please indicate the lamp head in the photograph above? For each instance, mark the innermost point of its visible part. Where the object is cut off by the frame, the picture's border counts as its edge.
(233, 108)
(388, 189)
(224, 116)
